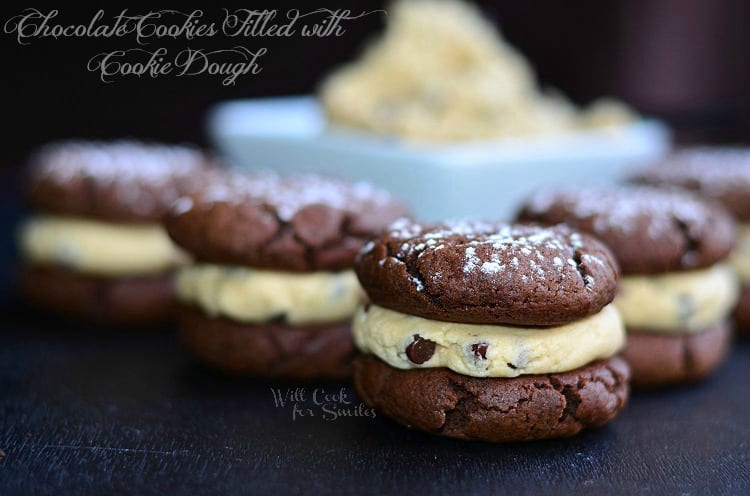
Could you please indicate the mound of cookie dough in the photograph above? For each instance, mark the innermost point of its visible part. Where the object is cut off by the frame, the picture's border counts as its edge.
(441, 72)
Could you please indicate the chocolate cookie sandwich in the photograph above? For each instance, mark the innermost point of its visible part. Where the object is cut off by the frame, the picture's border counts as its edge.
(272, 290)
(677, 288)
(490, 332)
(722, 174)
(95, 248)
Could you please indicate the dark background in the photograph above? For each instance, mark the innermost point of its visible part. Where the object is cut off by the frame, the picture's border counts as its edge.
(686, 61)
(90, 411)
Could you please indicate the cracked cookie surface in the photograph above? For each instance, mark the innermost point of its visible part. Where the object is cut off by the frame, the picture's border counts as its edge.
(720, 173)
(300, 223)
(480, 273)
(649, 230)
(121, 181)
(523, 408)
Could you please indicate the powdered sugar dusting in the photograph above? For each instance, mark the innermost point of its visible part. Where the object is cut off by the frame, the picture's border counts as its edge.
(588, 258)
(182, 205)
(288, 195)
(499, 250)
(492, 267)
(719, 173)
(715, 170)
(621, 209)
(368, 247)
(139, 175)
(117, 161)
(471, 259)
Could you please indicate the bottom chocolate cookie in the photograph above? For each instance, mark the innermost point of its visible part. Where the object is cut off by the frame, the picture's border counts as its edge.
(271, 350)
(658, 359)
(742, 313)
(523, 408)
(111, 300)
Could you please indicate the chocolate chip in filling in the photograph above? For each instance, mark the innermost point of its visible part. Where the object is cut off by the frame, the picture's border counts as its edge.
(479, 350)
(420, 349)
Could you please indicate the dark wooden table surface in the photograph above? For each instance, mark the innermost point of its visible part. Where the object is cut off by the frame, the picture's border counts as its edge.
(101, 411)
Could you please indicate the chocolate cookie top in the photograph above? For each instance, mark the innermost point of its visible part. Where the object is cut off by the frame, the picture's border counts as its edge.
(263, 220)
(649, 230)
(124, 181)
(722, 174)
(481, 273)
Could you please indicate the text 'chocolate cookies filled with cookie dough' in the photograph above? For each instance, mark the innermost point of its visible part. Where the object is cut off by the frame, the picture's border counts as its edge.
(271, 292)
(677, 289)
(490, 332)
(95, 248)
(723, 175)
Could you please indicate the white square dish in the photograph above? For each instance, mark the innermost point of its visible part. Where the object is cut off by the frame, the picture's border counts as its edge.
(484, 179)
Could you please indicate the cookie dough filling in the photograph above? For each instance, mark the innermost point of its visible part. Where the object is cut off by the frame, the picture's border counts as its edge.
(407, 342)
(740, 259)
(678, 301)
(257, 296)
(98, 248)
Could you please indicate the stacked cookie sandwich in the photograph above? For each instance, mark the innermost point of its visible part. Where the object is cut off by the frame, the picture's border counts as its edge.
(490, 332)
(272, 291)
(677, 288)
(721, 174)
(95, 247)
